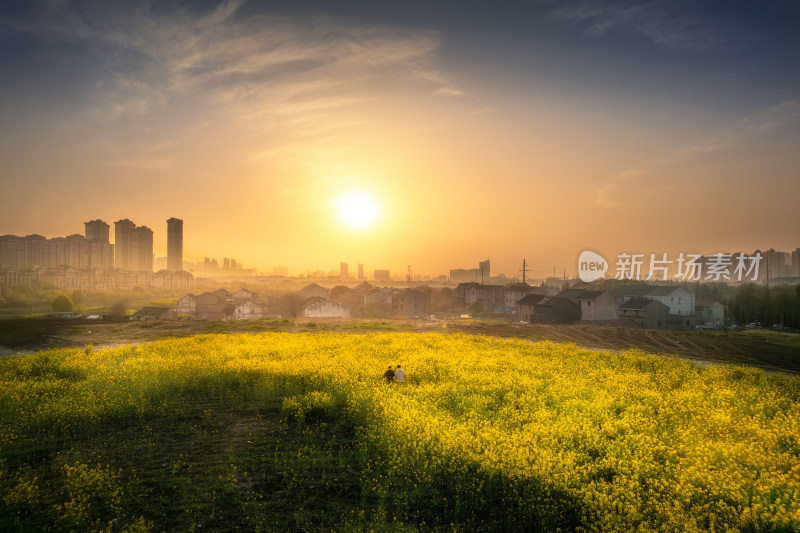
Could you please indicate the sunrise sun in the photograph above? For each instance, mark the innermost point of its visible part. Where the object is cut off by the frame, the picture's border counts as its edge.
(357, 210)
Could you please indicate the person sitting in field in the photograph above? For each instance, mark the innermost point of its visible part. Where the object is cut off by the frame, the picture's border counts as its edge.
(399, 374)
(389, 375)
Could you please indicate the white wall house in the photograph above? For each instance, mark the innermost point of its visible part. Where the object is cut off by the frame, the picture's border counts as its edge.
(187, 305)
(322, 308)
(247, 309)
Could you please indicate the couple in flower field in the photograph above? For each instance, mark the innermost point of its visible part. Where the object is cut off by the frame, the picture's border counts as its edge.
(395, 376)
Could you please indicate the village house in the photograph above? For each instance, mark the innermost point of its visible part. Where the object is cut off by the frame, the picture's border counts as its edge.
(314, 290)
(595, 305)
(679, 301)
(555, 310)
(645, 313)
(210, 305)
(709, 313)
(378, 296)
(515, 292)
(243, 295)
(187, 305)
(316, 307)
(525, 306)
(410, 303)
(490, 296)
(223, 294)
(246, 309)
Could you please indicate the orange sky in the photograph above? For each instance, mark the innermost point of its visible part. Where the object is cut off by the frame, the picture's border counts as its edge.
(249, 127)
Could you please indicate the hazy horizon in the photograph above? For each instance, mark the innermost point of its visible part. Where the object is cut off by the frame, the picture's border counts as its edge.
(303, 134)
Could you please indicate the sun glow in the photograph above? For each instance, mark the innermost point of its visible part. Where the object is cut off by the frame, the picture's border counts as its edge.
(357, 210)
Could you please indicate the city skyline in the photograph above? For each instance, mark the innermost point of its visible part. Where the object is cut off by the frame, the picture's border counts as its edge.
(306, 134)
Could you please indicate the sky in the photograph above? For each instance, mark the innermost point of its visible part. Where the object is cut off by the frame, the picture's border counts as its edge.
(434, 134)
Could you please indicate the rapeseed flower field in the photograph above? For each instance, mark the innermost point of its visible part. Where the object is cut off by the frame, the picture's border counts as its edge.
(485, 434)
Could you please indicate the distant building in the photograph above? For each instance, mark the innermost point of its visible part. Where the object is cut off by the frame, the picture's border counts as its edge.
(100, 250)
(96, 230)
(246, 309)
(187, 305)
(377, 296)
(709, 313)
(312, 290)
(410, 303)
(174, 244)
(316, 307)
(122, 243)
(209, 306)
(343, 270)
(461, 275)
(141, 249)
(243, 295)
(595, 305)
(515, 292)
(360, 271)
(555, 310)
(490, 296)
(645, 313)
(680, 302)
(166, 279)
(525, 306)
(381, 275)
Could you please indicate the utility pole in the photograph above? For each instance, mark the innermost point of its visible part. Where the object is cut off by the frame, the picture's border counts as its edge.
(524, 270)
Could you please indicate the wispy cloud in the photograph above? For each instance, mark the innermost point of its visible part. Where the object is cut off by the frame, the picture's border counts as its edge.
(263, 67)
(668, 24)
(628, 187)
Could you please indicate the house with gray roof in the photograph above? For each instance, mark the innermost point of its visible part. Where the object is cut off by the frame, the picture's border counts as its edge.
(644, 312)
(678, 300)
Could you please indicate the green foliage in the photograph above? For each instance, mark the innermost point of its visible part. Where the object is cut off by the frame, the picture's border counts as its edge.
(62, 304)
(476, 307)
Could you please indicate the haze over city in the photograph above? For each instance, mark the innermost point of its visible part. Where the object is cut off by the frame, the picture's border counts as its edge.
(432, 134)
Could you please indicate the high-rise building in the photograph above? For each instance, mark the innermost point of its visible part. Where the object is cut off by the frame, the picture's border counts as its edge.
(101, 252)
(35, 251)
(343, 270)
(360, 271)
(96, 230)
(796, 263)
(77, 251)
(174, 244)
(122, 243)
(141, 249)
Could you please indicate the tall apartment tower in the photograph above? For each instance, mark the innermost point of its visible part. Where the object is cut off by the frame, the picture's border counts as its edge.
(96, 230)
(174, 244)
(122, 243)
(101, 252)
(343, 269)
(360, 271)
(141, 253)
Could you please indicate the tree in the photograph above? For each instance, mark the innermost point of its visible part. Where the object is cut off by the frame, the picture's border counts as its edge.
(62, 304)
(118, 311)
